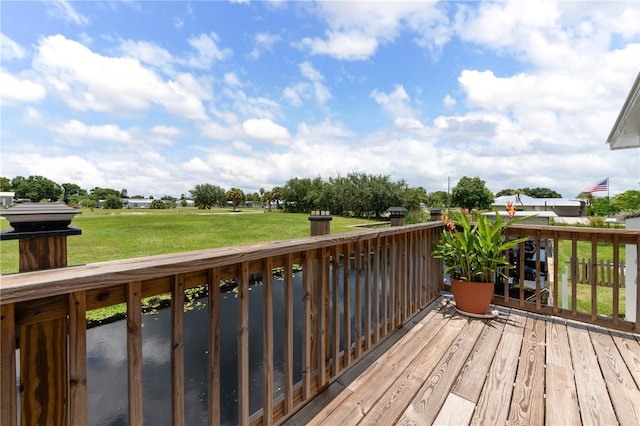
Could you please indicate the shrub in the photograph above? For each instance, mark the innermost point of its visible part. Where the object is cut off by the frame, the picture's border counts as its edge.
(158, 205)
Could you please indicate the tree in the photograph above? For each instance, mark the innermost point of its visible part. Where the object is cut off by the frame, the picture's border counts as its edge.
(438, 199)
(266, 199)
(294, 195)
(158, 205)
(206, 196)
(236, 196)
(603, 207)
(531, 192)
(5, 184)
(541, 193)
(113, 202)
(276, 195)
(504, 192)
(628, 201)
(413, 197)
(380, 194)
(471, 193)
(103, 193)
(36, 188)
(71, 190)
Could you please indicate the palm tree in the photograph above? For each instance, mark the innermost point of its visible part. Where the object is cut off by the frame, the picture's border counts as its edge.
(276, 195)
(236, 196)
(518, 193)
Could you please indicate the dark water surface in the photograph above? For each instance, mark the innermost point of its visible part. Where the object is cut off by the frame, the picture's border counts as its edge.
(107, 361)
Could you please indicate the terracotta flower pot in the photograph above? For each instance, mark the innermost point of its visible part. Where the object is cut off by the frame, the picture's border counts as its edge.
(472, 297)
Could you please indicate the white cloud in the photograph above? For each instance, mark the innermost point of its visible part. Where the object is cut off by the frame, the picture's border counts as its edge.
(88, 81)
(148, 53)
(310, 72)
(266, 130)
(396, 103)
(449, 101)
(250, 106)
(169, 131)
(14, 90)
(295, 93)
(164, 135)
(9, 49)
(316, 90)
(196, 165)
(220, 132)
(263, 42)
(232, 79)
(351, 46)
(357, 29)
(33, 117)
(565, 36)
(62, 9)
(324, 130)
(207, 51)
(75, 129)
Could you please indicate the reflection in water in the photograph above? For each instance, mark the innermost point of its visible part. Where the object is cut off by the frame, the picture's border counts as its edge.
(107, 366)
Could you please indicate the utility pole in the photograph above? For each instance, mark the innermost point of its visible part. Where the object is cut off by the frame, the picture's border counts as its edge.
(448, 193)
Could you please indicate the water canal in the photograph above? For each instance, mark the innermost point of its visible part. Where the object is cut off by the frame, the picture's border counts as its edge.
(107, 361)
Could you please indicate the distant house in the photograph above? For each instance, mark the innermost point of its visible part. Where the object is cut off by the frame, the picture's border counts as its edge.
(137, 203)
(560, 206)
(6, 199)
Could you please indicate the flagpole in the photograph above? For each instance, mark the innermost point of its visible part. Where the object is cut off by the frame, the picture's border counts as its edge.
(608, 197)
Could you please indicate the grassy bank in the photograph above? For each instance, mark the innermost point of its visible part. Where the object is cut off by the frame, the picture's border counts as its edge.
(123, 234)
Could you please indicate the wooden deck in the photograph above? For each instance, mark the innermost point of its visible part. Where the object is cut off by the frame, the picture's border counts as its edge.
(520, 368)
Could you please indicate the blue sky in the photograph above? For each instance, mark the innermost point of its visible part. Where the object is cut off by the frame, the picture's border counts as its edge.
(157, 96)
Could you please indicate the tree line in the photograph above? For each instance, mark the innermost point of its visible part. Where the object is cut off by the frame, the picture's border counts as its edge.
(356, 194)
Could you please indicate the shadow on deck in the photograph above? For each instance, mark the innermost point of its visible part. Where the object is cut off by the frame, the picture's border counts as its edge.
(520, 368)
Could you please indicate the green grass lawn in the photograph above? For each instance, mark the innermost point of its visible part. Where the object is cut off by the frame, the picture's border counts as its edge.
(604, 298)
(122, 234)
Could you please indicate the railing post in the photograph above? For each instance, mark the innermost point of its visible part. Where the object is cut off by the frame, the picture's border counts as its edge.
(320, 222)
(632, 274)
(42, 230)
(397, 215)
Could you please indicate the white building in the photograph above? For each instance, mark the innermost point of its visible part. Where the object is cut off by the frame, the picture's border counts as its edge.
(137, 203)
(6, 199)
(560, 206)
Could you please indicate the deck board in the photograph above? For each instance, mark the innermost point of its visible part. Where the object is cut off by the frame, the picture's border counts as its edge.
(527, 403)
(432, 395)
(595, 407)
(561, 407)
(444, 368)
(623, 391)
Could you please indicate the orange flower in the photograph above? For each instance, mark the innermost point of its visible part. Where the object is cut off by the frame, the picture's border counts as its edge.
(447, 223)
(511, 209)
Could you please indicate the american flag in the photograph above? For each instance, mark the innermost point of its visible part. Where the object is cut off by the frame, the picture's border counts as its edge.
(598, 187)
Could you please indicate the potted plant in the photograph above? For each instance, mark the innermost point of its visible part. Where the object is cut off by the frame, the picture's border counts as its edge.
(474, 254)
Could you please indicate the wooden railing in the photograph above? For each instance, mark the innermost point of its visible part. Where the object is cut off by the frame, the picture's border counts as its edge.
(387, 275)
(357, 288)
(598, 243)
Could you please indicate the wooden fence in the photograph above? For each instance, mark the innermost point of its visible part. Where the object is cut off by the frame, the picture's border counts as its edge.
(604, 272)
